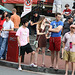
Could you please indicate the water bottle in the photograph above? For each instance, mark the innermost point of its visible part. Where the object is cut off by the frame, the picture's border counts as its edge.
(70, 45)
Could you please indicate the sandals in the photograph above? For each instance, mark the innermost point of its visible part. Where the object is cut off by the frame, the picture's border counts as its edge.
(56, 69)
(43, 65)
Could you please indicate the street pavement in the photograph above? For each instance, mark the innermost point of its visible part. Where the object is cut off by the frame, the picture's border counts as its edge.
(12, 71)
(47, 61)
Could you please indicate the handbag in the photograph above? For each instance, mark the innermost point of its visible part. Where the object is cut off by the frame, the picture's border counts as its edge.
(36, 43)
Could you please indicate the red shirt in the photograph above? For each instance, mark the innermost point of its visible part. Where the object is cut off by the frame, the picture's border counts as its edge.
(67, 11)
(1, 23)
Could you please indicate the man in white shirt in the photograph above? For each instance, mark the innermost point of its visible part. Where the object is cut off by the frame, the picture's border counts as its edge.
(57, 6)
(8, 25)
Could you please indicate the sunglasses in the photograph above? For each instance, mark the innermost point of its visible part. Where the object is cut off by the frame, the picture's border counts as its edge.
(73, 27)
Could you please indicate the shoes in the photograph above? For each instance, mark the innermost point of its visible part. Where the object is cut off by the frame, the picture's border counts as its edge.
(43, 65)
(33, 65)
(20, 69)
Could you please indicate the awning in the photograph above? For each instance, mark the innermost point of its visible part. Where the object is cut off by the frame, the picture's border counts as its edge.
(4, 9)
(22, 1)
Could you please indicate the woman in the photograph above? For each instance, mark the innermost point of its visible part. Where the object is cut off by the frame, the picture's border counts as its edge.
(41, 39)
(2, 19)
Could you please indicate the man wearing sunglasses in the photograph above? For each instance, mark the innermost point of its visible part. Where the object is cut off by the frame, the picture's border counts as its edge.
(69, 48)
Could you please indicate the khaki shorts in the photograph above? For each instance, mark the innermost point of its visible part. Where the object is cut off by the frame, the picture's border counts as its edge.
(69, 56)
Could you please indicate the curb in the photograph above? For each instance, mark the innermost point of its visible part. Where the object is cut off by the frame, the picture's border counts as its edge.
(27, 67)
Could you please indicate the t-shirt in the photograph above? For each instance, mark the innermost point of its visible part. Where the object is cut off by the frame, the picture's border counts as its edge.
(67, 11)
(67, 39)
(23, 34)
(7, 25)
(57, 2)
(66, 27)
(35, 19)
(16, 20)
(55, 25)
(1, 23)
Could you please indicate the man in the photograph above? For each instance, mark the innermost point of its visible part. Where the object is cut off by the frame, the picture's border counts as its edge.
(8, 25)
(55, 39)
(23, 41)
(57, 6)
(69, 49)
(33, 23)
(16, 19)
(66, 27)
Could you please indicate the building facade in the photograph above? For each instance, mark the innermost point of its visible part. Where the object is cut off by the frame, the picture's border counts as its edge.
(18, 4)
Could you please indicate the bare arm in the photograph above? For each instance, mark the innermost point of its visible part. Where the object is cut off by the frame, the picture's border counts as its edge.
(18, 40)
(38, 33)
(33, 23)
(8, 29)
(63, 45)
(28, 39)
(56, 29)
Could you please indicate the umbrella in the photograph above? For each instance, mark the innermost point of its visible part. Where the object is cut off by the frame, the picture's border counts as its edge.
(4, 9)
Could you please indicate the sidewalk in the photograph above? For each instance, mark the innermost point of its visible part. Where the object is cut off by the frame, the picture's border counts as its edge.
(26, 66)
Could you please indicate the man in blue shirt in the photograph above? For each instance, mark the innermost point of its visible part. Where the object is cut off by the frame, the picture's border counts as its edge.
(55, 39)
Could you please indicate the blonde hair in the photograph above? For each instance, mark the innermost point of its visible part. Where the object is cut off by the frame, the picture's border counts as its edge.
(40, 22)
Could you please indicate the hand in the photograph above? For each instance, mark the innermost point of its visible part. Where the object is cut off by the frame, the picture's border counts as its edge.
(49, 30)
(73, 43)
(44, 32)
(32, 24)
(2, 29)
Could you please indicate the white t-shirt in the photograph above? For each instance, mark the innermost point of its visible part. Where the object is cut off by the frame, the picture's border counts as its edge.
(57, 2)
(7, 25)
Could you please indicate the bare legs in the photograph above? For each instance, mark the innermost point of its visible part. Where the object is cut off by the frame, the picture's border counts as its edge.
(73, 67)
(43, 55)
(53, 57)
(57, 59)
(36, 55)
(19, 61)
(66, 67)
(32, 57)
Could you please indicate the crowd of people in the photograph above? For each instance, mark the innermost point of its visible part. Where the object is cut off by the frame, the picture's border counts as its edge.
(38, 23)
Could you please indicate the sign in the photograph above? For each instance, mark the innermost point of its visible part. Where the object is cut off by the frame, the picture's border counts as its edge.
(27, 7)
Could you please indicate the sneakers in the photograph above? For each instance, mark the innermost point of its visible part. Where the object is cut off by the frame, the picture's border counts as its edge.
(20, 69)
(33, 65)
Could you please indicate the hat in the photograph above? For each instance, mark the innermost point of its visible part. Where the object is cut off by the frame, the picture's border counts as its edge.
(72, 26)
(73, 5)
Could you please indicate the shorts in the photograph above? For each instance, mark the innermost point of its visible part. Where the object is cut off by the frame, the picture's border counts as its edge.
(55, 43)
(27, 48)
(56, 8)
(69, 56)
